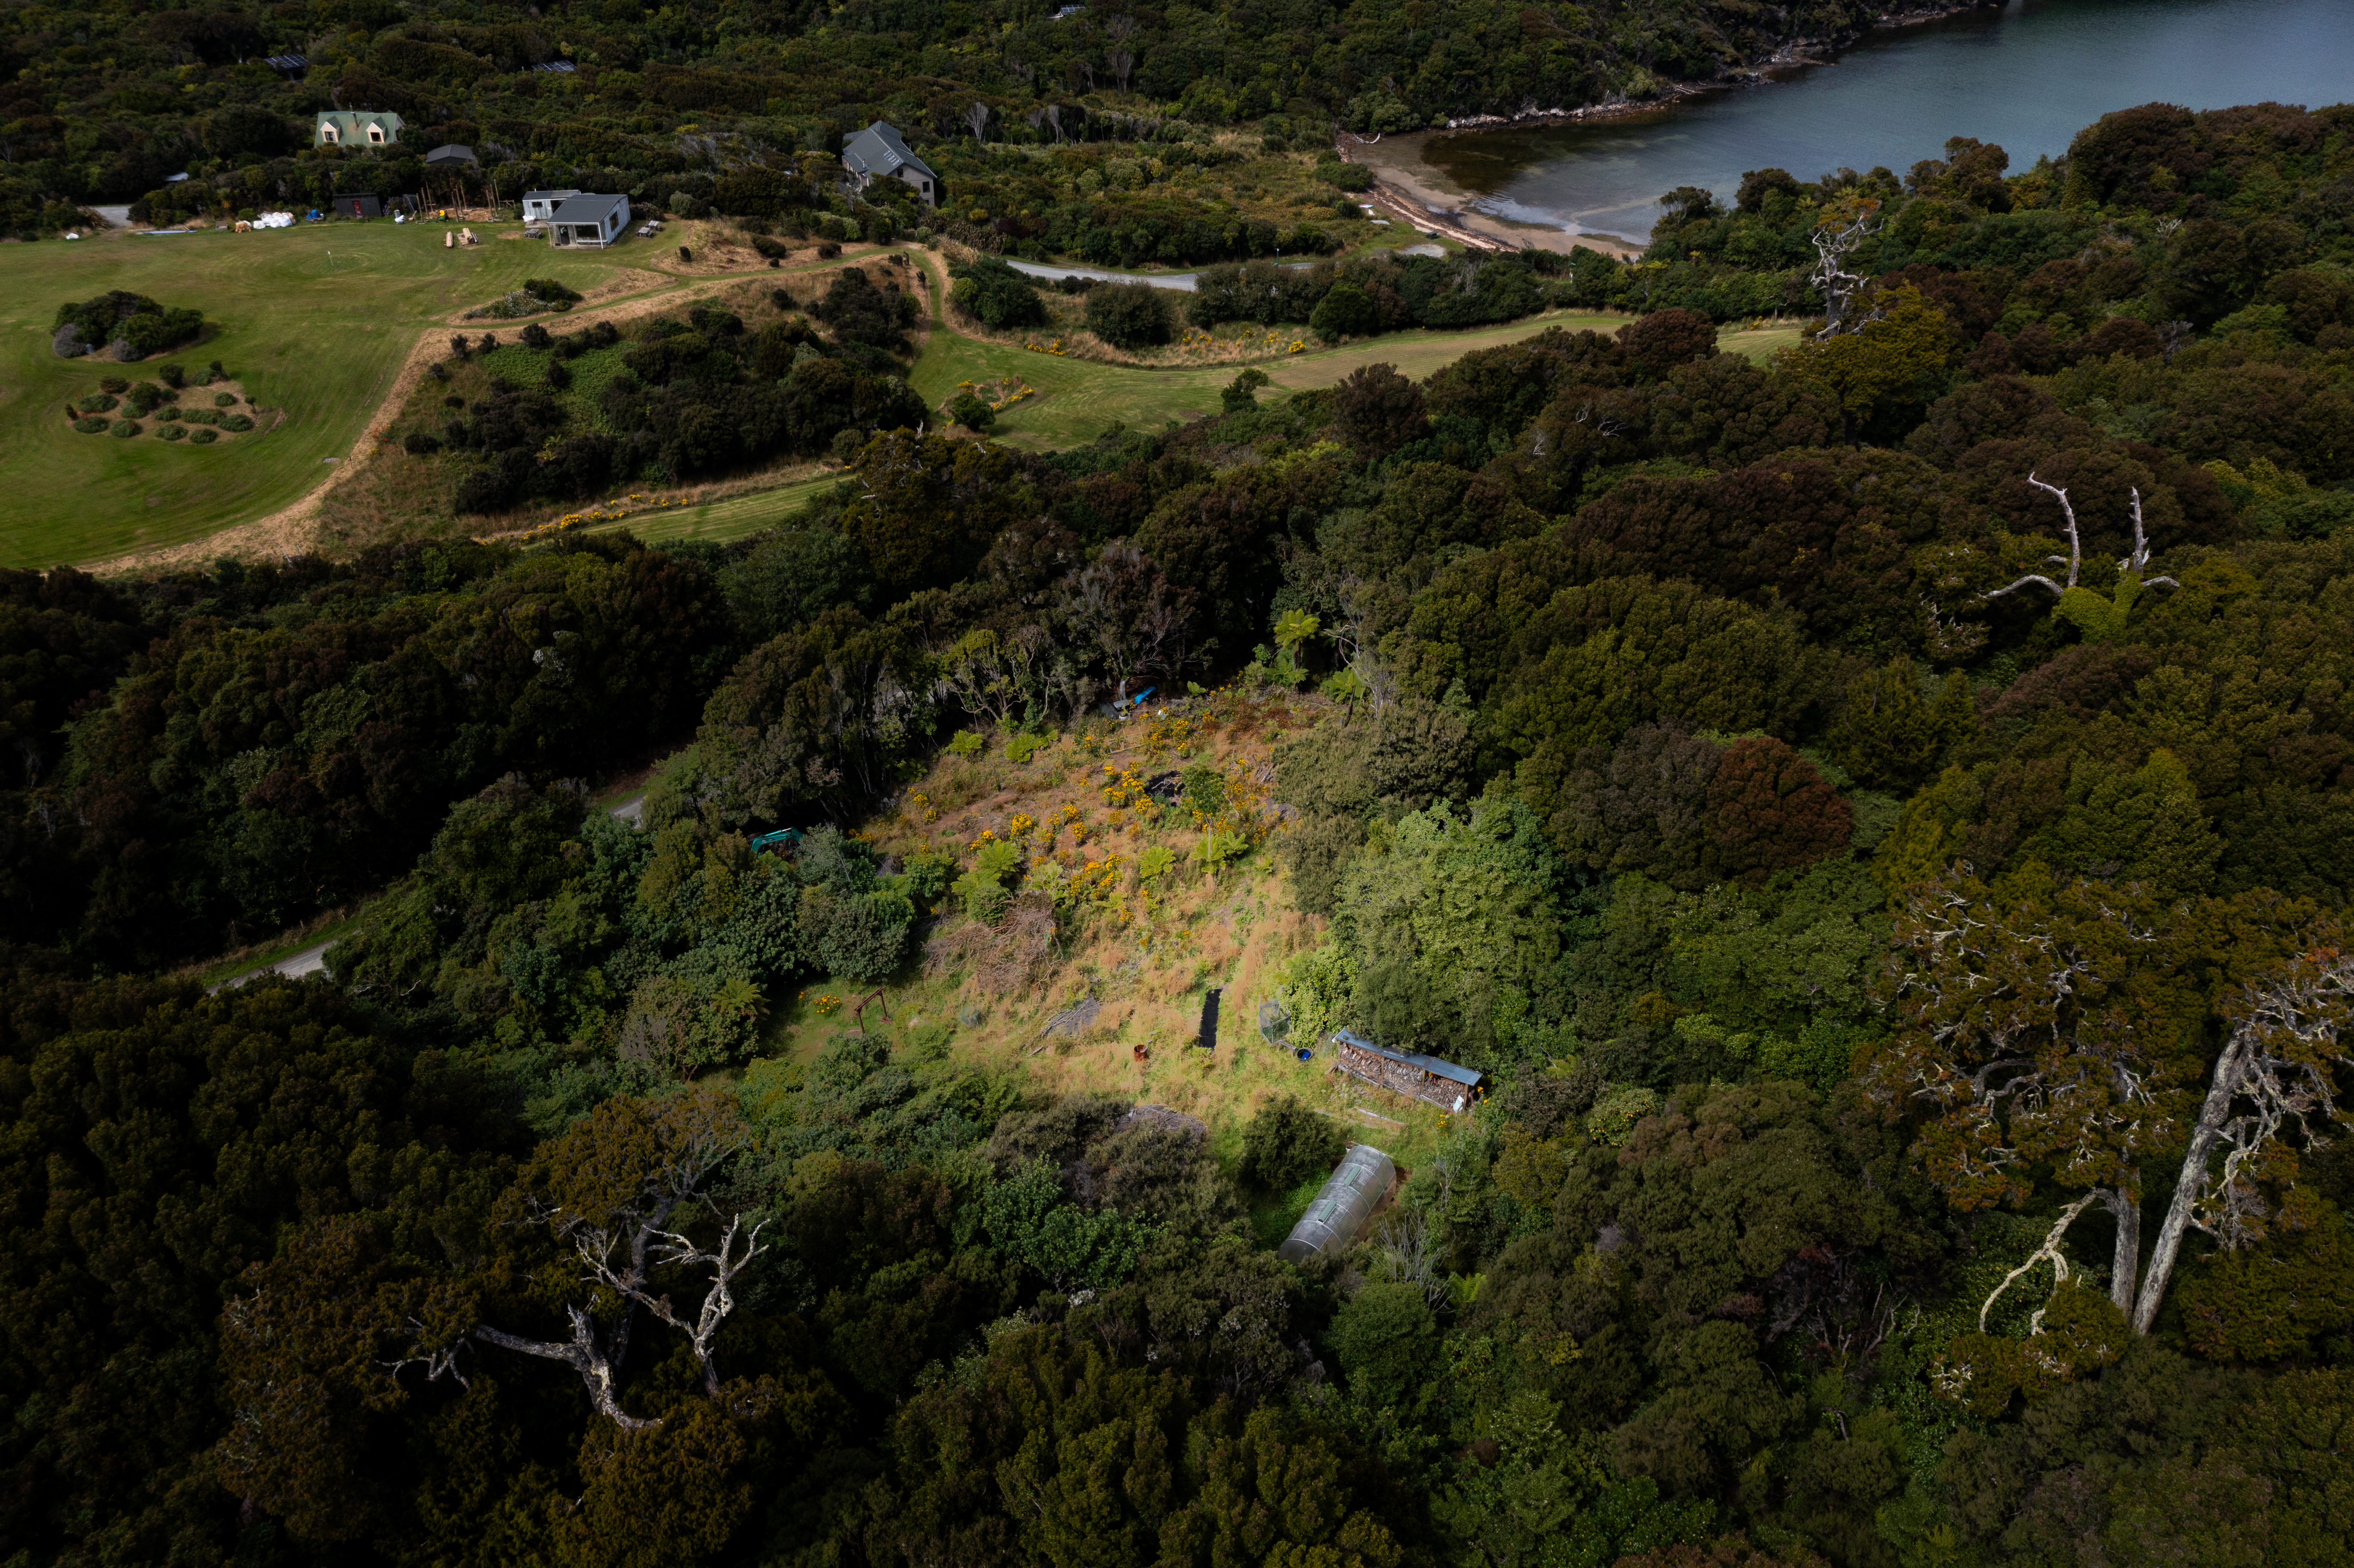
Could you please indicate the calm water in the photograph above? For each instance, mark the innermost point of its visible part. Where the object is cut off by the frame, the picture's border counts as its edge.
(2028, 76)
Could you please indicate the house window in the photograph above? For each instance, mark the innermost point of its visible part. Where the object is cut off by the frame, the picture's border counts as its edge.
(327, 133)
(375, 134)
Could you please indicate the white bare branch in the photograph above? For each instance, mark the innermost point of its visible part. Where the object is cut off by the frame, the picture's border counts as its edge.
(437, 1364)
(585, 1356)
(2274, 1073)
(1833, 246)
(2131, 568)
(2048, 1253)
(2137, 563)
(624, 1244)
(674, 1250)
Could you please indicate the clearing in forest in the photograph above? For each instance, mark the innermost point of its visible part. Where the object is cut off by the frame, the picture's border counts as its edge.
(1159, 833)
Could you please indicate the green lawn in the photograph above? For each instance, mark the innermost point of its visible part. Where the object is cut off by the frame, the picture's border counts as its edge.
(1078, 399)
(731, 517)
(315, 320)
(1762, 345)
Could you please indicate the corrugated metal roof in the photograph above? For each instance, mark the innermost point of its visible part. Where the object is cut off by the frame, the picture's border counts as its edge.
(1464, 1076)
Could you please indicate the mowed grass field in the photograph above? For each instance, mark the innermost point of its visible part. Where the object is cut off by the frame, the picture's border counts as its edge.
(315, 321)
(728, 517)
(1077, 400)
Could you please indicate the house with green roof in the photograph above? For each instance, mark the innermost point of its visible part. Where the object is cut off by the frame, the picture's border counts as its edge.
(355, 128)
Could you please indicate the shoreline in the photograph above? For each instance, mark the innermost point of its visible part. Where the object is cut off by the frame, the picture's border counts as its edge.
(1410, 188)
(1795, 55)
(1411, 192)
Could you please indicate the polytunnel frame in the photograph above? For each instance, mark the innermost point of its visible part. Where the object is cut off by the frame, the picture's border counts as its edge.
(1343, 1205)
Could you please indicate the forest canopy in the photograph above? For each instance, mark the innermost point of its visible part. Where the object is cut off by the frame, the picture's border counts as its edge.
(1878, 821)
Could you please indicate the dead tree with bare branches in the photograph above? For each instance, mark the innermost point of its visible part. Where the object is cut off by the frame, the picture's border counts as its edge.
(2039, 1037)
(2132, 566)
(1835, 242)
(621, 1193)
(1121, 58)
(2272, 1090)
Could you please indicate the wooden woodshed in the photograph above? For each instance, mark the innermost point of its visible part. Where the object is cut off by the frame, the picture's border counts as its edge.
(1443, 1084)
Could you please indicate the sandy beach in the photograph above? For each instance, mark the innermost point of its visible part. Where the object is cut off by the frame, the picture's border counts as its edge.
(1400, 169)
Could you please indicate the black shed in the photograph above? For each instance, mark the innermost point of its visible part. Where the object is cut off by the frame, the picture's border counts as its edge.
(357, 203)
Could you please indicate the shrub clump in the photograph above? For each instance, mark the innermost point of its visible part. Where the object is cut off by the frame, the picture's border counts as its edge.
(132, 326)
(202, 438)
(1130, 315)
(237, 423)
(124, 427)
(91, 424)
(856, 312)
(537, 294)
(172, 432)
(1287, 1143)
(994, 294)
(1346, 311)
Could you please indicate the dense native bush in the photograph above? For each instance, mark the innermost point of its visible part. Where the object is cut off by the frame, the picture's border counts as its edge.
(1860, 894)
(313, 754)
(692, 397)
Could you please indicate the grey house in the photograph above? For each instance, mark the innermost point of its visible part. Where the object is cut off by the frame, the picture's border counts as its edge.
(451, 156)
(539, 207)
(879, 152)
(589, 222)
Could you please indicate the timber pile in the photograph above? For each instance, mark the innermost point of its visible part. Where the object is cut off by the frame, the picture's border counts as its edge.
(1400, 1078)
